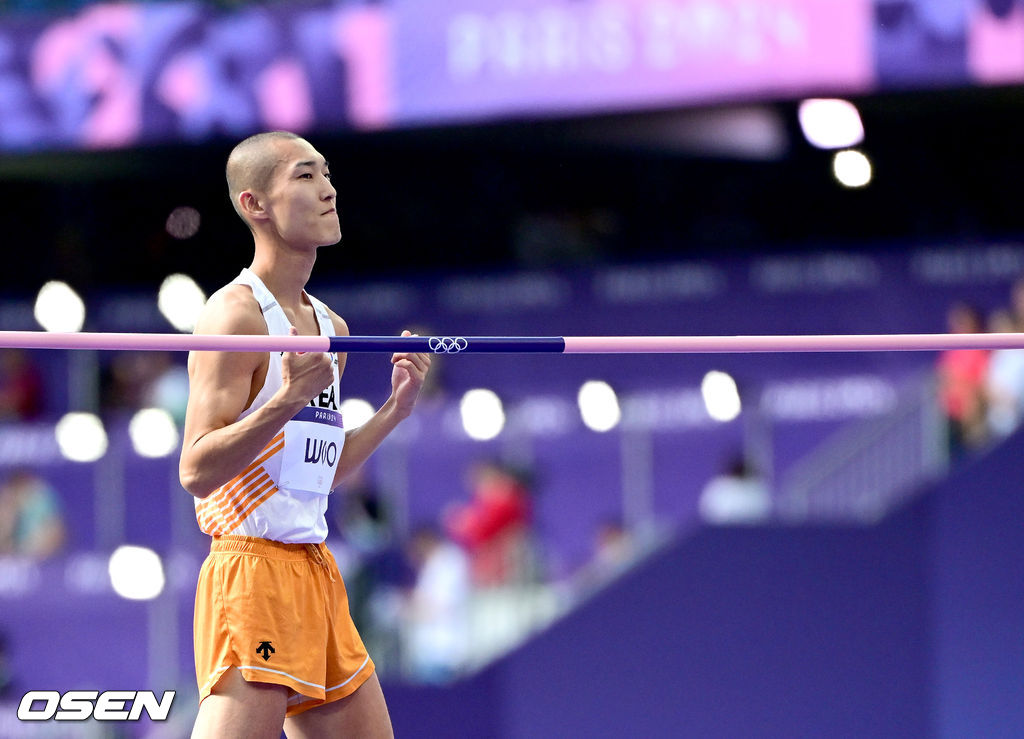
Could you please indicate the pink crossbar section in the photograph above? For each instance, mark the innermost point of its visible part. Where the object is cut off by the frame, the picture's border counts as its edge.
(162, 342)
(573, 344)
(737, 344)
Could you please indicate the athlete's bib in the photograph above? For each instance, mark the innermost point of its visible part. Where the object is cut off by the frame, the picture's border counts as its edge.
(312, 447)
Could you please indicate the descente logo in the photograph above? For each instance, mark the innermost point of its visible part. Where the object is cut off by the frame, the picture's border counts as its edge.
(81, 705)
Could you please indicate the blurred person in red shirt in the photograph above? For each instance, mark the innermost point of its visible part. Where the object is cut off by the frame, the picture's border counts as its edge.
(494, 526)
(961, 381)
(21, 387)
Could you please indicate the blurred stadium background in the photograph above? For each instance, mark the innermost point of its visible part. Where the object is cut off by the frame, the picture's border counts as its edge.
(735, 545)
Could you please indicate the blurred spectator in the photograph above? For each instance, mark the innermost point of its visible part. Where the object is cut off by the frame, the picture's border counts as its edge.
(1017, 303)
(613, 548)
(363, 517)
(31, 524)
(7, 687)
(168, 388)
(21, 386)
(437, 614)
(373, 557)
(737, 495)
(1004, 381)
(494, 526)
(563, 237)
(614, 552)
(961, 382)
(127, 381)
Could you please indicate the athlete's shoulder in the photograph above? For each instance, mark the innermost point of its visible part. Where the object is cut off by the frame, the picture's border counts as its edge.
(232, 310)
(340, 327)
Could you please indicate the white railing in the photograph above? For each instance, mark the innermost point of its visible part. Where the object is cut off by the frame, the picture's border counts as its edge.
(867, 469)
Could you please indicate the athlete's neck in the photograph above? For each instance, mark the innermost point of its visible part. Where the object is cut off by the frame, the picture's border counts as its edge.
(285, 274)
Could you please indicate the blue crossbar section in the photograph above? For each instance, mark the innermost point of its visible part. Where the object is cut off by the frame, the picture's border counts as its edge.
(449, 344)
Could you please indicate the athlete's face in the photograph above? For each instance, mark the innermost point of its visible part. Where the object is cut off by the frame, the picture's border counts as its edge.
(301, 201)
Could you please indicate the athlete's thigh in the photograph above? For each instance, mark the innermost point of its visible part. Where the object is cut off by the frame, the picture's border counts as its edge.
(237, 709)
(363, 714)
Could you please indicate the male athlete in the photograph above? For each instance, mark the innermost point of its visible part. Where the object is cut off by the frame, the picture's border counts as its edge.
(264, 445)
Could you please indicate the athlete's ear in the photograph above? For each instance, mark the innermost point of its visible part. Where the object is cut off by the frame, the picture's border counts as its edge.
(251, 206)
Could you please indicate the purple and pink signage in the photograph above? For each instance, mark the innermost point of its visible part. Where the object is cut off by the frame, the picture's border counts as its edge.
(113, 75)
(118, 75)
(495, 58)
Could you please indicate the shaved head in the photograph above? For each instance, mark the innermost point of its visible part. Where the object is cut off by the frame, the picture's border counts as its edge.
(251, 165)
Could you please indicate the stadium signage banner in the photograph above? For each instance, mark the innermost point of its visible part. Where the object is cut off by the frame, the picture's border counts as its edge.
(499, 57)
(118, 75)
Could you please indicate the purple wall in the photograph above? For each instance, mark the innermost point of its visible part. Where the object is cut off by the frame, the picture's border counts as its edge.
(976, 561)
(732, 633)
(910, 628)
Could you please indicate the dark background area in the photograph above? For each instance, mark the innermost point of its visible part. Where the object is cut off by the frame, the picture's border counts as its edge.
(529, 194)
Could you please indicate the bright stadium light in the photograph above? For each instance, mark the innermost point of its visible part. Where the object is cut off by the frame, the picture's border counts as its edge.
(81, 437)
(180, 300)
(59, 308)
(136, 573)
(721, 396)
(355, 412)
(483, 416)
(599, 406)
(831, 123)
(153, 433)
(851, 168)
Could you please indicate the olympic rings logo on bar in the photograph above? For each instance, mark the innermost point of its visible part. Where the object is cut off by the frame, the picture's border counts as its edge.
(447, 344)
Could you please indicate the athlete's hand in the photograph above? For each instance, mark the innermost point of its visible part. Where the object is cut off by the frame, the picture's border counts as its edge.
(407, 377)
(305, 374)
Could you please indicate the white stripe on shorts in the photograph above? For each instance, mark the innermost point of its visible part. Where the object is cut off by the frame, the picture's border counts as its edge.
(299, 698)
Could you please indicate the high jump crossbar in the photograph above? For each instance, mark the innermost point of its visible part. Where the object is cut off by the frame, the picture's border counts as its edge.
(512, 344)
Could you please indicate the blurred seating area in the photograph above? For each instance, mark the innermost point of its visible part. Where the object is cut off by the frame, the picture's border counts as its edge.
(473, 528)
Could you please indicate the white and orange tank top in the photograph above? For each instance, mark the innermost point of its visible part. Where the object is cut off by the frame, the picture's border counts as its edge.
(282, 494)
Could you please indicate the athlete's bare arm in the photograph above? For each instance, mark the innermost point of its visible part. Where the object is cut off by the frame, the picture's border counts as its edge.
(216, 447)
(407, 376)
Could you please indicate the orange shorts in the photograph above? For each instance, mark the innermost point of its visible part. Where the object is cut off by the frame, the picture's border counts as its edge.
(279, 613)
